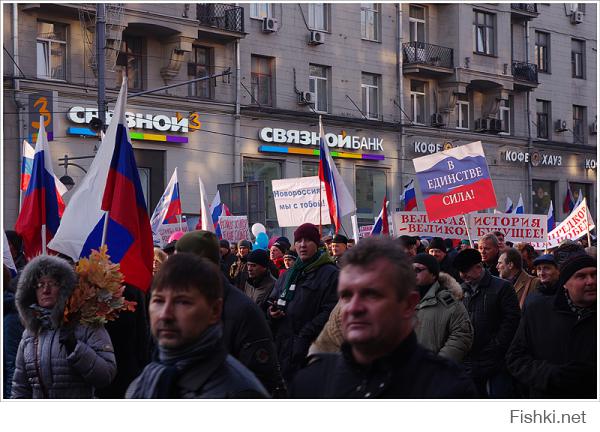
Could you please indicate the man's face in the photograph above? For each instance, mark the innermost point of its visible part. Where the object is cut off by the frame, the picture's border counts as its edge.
(275, 253)
(224, 251)
(306, 248)
(338, 249)
(473, 274)
(255, 270)
(438, 254)
(243, 251)
(411, 251)
(488, 250)
(547, 273)
(424, 277)
(179, 317)
(372, 315)
(582, 287)
(289, 262)
(505, 269)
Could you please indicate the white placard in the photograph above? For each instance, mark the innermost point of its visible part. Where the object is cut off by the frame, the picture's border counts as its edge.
(297, 201)
(234, 228)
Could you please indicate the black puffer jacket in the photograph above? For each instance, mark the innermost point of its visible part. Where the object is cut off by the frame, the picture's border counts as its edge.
(554, 350)
(494, 312)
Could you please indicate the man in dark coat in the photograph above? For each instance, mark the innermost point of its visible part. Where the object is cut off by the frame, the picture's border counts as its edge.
(227, 258)
(260, 281)
(238, 272)
(489, 248)
(494, 312)
(547, 271)
(380, 357)
(554, 350)
(302, 300)
(339, 246)
(438, 249)
(246, 334)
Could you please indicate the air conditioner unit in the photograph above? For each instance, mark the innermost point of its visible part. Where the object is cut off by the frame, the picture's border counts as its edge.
(306, 98)
(560, 125)
(316, 37)
(482, 125)
(594, 128)
(437, 120)
(576, 17)
(269, 25)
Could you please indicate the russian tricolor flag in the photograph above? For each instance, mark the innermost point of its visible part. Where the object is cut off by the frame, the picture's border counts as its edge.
(339, 198)
(168, 207)
(409, 197)
(509, 205)
(217, 209)
(42, 206)
(381, 225)
(520, 207)
(111, 192)
(568, 203)
(26, 164)
(551, 217)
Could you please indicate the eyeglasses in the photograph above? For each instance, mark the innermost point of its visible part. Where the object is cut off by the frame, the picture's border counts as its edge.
(49, 284)
(419, 270)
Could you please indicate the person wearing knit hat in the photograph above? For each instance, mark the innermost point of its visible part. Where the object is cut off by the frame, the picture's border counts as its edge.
(537, 357)
(260, 281)
(276, 253)
(437, 248)
(443, 324)
(201, 243)
(290, 258)
(238, 272)
(227, 257)
(339, 245)
(302, 299)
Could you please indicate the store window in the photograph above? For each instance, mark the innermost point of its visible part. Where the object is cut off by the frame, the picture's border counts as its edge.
(318, 16)
(371, 187)
(318, 83)
(483, 33)
(262, 80)
(130, 62)
(370, 21)
(370, 95)
(51, 50)
(261, 10)
(199, 67)
(462, 111)
(416, 23)
(542, 51)
(578, 124)
(265, 170)
(543, 119)
(310, 168)
(577, 58)
(542, 193)
(417, 101)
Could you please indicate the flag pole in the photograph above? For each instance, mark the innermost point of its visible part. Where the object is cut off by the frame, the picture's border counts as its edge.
(105, 228)
(44, 250)
(180, 222)
(467, 228)
(587, 225)
(320, 187)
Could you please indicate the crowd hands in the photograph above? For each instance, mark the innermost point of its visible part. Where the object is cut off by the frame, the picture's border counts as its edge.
(318, 317)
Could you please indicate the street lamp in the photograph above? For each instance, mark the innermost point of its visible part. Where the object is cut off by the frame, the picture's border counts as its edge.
(66, 179)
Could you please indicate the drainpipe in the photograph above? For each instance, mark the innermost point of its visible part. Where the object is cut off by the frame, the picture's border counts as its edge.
(529, 139)
(17, 85)
(400, 96)
(237, 169)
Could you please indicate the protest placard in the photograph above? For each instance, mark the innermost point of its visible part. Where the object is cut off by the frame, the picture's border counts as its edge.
(234, 228)
(364, 231)
(455, 181)
(416, 223)
(297, 201)
(166, 230)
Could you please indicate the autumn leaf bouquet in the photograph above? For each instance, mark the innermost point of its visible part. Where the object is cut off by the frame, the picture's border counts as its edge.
(98, 295)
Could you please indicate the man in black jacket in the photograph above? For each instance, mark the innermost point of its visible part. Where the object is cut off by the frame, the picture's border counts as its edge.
(227, 258)
(547, 272)
(380, 357)
(554, 350)
(494, 312)
(489, 248)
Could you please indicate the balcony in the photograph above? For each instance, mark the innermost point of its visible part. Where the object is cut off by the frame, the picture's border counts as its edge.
(427, 59)
(223, 21)
(524, 10)
(525, 75)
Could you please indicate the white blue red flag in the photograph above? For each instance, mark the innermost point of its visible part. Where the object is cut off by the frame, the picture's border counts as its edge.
(550, 219)
(568, 203)
(520, 209)
(111, 189)
(205, 222)
(509, 205)
(579, 198)
(26, 164)
(409, 197)
(42, 205)
(217, 209)
(455, 181)
(168, 207)
(381, 226)
(339, 198)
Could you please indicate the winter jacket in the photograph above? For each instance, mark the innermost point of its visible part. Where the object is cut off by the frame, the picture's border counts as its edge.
(410, 371)
(443, 324)
(331, 337)
(494, 312)
(238, 273)
(44, 367)
(12, 333)
(259, 289)
(542, 291)
(447, 266)
(554, 350)
(305, 315)
(524, 286)
(226, 263)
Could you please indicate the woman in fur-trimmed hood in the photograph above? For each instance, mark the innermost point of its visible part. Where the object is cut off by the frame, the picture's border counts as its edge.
(54, 360)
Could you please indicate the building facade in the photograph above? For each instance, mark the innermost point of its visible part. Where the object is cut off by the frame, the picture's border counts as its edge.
(391, 82)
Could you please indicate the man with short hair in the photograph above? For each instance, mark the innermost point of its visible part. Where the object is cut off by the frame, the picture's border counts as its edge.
(510, 267)
(554, 350)
(227, 258)
(380, 357)
(408, 245)
(185, 314)
(260, 281)
(238, 273)
(494, 312)
(489, 249)
(339, 245)
(351, 243)
(548, 274)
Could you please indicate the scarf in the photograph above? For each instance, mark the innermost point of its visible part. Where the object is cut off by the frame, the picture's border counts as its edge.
(159, 379)
(43, 315)
(581, 312)
(298, 269)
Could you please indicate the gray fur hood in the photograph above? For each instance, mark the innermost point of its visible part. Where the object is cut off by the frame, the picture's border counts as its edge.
(448, 282)
(44, 265)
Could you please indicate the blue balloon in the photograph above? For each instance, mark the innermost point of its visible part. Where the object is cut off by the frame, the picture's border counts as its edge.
(255, 246)
(262, 239)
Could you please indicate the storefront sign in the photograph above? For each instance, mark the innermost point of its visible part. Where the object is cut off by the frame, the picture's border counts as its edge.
(573, 227)
(535, 158)
(234, 228)
(297, 201)
(590, 164)
(40, 104)
(292, 136)
(423, 147)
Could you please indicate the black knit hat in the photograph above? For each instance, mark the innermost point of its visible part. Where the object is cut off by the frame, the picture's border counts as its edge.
(308, 231)
(224, 244)
(466, 259)
(245, 243)
(282, 244)
(437, 243)
(573, 265)
(260, 257)
(202, 243)
(291, 254)
(339, 238)
(428, 261)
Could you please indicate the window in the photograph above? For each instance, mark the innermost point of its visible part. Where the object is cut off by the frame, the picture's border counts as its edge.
(51, 50)
(317, 83)
(542, 51)
(462, 112)
(260, 10)
(369, 21)
(130, 60)
(584, 189)
(504, 112)
(542, 193)
(262, 80)
(578, 124)
(578, 7)
(417, 101)
(265, 170)
(318, 16)
(370, 95)
(483, 33)
(416, 23)
(371, 186)
(543, 119)
(577, 58)
(200, 66)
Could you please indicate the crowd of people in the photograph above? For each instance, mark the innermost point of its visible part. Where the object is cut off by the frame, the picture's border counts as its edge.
(315, 317)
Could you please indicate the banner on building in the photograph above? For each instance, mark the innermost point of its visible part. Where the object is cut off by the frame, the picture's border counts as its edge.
(575, 226)
(455, 181)
(234, 228)
(161, 238)
(297, 201)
